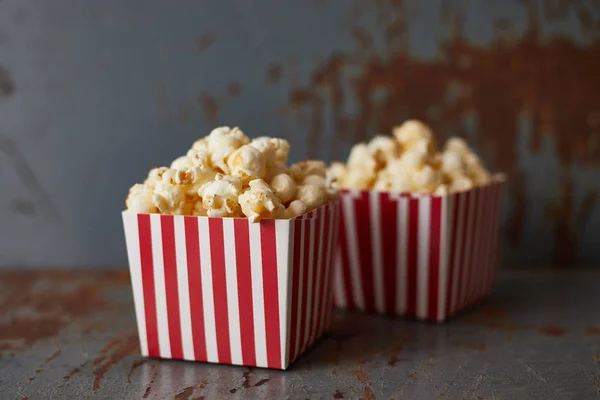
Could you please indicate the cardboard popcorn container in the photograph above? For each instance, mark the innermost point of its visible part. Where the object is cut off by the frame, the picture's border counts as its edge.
(418, 256)
(228, 291)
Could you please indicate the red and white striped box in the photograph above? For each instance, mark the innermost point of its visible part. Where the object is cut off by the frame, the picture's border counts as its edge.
(424, 257)
(228, 291)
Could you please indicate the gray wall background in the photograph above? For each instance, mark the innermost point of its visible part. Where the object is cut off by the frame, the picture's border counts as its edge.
(92, 94)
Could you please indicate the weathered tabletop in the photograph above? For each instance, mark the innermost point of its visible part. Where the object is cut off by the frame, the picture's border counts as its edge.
(72, 335)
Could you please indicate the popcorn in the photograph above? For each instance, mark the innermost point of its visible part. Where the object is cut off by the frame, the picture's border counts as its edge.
(295, 209)
(259, 202)
(284, 187)
(302, 169)
(383, 149)
(168, 196)
(411, 163)
(225, 175)
(220, 196)
(314, 180)
(181, 163)
(247, 163)
(140, 199)
(311, 195)
(222, 142)
(412, 131)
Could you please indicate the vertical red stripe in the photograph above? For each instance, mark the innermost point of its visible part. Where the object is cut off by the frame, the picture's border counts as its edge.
(413, 257)
(244, 284)
(305, 282)
(271, 292)
(297, 225)
(475, 243)
(317, 264)
(488, 212)
(462, 268)
(217, 255)
(390, 242)
(345, 261)
(195, 287)
(434, 257)
(453, 239)
(495, 231)
(145, 236)
(171, 286)
(362, 213)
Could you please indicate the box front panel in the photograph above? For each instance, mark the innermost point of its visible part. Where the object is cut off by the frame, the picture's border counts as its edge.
(225, 290)
(208, 289)
(422, 257)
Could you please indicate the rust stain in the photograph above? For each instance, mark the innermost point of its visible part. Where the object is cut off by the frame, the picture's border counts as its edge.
(210, 106)
(28, 177)
(361, 375)
(185, 393)
(52, 356)
(501, 85)
(136, 364)
(234, 89)
(246, 381)
(274, 73)
(71, 374)
(394, 356)
(204, 41)
(7, 84)
(368, 394)
(233, 390)
(592, 330)
(113, 353)
(338, 395)
(148, 390)
(596, 357)
(261, 382)
(553, 330)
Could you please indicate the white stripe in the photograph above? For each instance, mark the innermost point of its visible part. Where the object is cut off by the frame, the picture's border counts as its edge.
(352, 244)
(311, 284)
(446, 219)
(321, 245)
(423, 256)
(185, 314)
(260, 336)
(208, 299)
(285, 254)
(377, 248)
(132, 238)
(402, 253)
(162, 318)
(233, 310)
(458, 247)
(300, 286)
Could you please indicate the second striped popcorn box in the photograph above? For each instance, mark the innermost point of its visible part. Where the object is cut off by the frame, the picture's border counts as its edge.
(229, 291)
(418, 256)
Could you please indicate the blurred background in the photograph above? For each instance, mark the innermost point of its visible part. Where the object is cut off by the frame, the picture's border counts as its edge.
(93, 94)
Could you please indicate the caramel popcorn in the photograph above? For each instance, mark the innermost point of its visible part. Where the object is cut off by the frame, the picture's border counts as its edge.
(410, 162)
(225, 174)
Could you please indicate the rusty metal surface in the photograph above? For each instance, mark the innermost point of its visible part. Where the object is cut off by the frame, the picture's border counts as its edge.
(83, 83)
(72, 335)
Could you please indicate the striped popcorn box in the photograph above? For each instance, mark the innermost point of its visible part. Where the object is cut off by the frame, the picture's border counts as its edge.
(228, 291)
(424, 257)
